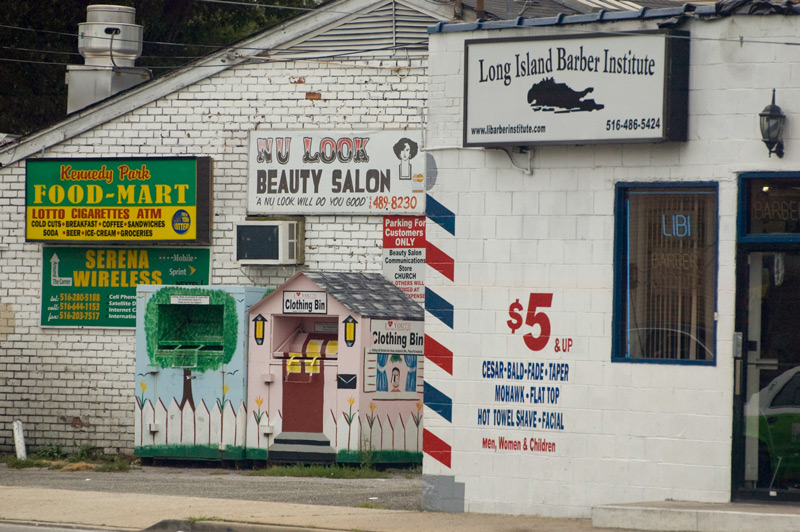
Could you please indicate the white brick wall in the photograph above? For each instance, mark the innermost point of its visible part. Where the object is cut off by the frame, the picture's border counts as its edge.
(75, 387)
(633, 432)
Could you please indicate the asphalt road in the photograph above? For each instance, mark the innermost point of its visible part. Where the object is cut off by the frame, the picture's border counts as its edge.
(402, 491)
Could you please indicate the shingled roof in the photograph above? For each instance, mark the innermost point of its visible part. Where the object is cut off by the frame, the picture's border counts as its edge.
(368, 294)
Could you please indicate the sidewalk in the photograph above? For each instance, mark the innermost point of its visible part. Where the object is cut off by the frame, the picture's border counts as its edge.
(133, 512)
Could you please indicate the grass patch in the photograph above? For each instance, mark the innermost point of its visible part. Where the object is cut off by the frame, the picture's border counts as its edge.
(412, 472)
(50, 452)
(81, 461)
(371, 506)
(16, 463)
(203, 518)
(318, 471)
(114, 466)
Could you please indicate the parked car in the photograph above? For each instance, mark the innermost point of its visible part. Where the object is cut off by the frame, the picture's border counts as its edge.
(778, 411)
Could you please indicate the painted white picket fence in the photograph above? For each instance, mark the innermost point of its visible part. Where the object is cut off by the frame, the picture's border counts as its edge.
(158, 424)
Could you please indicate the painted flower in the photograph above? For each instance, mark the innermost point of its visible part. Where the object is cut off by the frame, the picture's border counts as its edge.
(259, 414)
(372, 406)
(351, 400)
(418, 416)
(225, 389)
(140, 399)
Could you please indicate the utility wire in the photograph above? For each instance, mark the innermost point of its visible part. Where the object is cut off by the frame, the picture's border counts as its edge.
(37, 51)
(30, 61)
(103, 37)
(268, 6)
(564, 29)
(417, 45)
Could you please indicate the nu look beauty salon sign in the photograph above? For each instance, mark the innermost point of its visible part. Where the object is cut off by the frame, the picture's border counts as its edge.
(581, 89)
(335, 172)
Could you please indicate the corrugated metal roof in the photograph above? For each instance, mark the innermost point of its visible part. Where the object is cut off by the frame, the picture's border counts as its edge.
(720, 9)
(506, 10)
(368, 294)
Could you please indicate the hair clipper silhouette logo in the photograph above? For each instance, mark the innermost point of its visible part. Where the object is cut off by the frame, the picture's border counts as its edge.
(547, 95)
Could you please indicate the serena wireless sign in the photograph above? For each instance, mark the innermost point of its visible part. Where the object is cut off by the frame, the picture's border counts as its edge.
(629, 87)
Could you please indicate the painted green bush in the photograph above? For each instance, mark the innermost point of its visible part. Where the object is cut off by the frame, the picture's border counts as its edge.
(197, 338)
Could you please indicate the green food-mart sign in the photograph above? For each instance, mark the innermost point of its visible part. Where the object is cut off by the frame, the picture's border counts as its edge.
(96, 287)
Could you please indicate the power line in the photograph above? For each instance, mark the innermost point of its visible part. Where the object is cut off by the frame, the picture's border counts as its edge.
(416, 45)
(37, 51)
(38, 31)
(53, 63)
(234, 47)
(267, 6)
(103, 37)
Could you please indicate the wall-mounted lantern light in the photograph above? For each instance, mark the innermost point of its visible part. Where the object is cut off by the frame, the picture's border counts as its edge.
(258, 329)
(771, 120)
(349, 331)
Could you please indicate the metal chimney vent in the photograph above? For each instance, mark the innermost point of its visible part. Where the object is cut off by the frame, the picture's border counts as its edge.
(110, 43)
(110, 37)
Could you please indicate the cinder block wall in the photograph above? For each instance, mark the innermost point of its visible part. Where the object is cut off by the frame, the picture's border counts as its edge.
(632, 432)
(74, 387)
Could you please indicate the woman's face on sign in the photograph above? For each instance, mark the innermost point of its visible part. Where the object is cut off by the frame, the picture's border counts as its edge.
(405, 154)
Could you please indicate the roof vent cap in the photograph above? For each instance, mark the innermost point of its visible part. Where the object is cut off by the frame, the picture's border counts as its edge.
(110, 37)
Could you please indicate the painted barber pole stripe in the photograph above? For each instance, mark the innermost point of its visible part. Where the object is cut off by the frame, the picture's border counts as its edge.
(440, 261)
(436, 448)
(438, 402)
(442, 309)
(439, 307)
(438, 213)
(438, 354)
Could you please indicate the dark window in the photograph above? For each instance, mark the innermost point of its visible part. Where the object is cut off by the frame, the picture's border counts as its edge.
(665, 273)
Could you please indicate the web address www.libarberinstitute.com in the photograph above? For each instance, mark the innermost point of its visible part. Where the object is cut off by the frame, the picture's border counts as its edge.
(507, 130)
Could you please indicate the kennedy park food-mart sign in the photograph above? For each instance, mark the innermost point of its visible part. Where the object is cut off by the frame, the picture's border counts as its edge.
(118, 200)
(96, 287)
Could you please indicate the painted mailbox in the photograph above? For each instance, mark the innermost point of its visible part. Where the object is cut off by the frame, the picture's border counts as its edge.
(191, 371)
(335, 369)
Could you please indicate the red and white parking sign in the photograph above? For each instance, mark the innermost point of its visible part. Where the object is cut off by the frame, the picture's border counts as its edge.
(404, 254)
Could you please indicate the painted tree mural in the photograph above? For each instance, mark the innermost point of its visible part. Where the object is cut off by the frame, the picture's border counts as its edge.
(194, 329)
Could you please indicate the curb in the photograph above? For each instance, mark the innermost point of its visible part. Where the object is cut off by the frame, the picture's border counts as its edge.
(65, 526)
(177, 525)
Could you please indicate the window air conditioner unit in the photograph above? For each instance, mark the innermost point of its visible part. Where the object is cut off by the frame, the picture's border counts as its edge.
(270, 242)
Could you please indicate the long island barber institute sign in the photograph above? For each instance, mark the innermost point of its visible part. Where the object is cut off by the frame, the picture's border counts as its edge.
(626, 87)
(336, 172)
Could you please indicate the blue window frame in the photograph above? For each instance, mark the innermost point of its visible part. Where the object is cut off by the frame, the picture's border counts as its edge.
(665, 273)
(769, 208)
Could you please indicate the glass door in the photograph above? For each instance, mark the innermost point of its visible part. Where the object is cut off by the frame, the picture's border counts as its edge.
(767, 409)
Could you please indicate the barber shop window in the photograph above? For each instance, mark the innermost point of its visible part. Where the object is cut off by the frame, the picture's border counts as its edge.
(665, 273)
